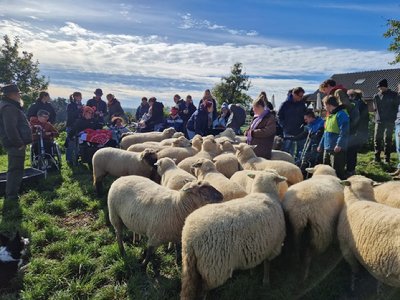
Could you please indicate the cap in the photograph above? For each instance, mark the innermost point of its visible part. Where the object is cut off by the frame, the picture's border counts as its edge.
(224, 105)
(382, 83)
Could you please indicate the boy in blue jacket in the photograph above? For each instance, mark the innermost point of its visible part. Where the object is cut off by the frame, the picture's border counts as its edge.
(335, 138)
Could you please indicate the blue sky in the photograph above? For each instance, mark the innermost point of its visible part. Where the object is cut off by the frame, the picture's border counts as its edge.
(159, 48)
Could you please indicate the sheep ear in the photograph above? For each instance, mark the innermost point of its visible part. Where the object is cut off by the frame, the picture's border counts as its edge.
(280, 179)
(253, 146)
(197, 165)
(345, 182)
(174, 159)
(310, 170)
(157, 163)
(251, 175)
(374, 183)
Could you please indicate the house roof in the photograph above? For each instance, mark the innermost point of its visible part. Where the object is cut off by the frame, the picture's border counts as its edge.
(365, 81)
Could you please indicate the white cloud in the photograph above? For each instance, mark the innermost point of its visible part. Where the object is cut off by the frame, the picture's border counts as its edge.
(184, 67)
(188, 22)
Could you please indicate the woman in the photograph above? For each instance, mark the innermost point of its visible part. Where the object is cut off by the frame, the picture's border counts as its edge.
(114, 107)
(87, 122)
(74, 112)
(262, 129)
(208, 97)
(263, 95)
(222, 120)
(201, 121)
(42, 103)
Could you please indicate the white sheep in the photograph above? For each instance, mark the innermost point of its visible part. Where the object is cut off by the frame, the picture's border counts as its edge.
(117, 162)
(312, 208)
(153, 136)
(227, 164)
(209, 150)
(168, 142)
(238, 234)
(172, 177)
(281, 155)
(321, 169)
(388, 193)
(241, 178)
(249, 161)
(369, 232)
(158, 146)
(157, 212)
(225, 145)
(204, 169)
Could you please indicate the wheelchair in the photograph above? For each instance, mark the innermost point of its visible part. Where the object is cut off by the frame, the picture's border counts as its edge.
(45, 155)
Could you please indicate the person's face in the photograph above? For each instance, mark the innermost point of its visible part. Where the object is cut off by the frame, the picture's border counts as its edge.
(43, 119)
(98, 96)
(258, 109)
(329, 107)
(351, 95)
(308, 119)
(224, 111)
(176, 99)
(207, 93)
(14, 96)
(188, 100)
(382, 89)
(297, 97)
(118, 123)
(88, 115)
(144, 101)
(109, 98)
(78, 98)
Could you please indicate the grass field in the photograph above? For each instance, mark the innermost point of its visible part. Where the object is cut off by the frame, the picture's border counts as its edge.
(73, 253)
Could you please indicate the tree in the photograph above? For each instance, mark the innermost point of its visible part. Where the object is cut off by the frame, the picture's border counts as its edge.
(231, 89)
(19, 68)
(394, 32)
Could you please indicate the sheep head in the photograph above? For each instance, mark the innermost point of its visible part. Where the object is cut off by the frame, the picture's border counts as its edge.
(177, 134)
(200, 192)
(181, 142)
(149, 156)
(209, 145)
(169, 132)
(266, 182)
(226, 145)
(244, 151)
(164, 164)
(197, 141)
(358, 187)
(202, 166)
(229, 133)
(321, 170)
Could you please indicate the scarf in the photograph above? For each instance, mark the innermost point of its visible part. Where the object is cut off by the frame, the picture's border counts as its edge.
(256, 121)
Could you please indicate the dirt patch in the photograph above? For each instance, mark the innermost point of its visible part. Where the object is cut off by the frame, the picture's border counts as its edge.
(79, 220)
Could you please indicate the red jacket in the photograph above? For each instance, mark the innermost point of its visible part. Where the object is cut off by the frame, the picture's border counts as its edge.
(49, 131)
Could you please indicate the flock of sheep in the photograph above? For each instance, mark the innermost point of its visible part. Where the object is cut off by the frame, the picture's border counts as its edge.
(226, 209)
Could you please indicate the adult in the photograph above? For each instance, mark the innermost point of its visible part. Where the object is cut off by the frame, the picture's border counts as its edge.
(201, 121)
(237, 118)
(291, 119)
(42, 103)
(330, 88)
(179, 103)
(385, 104)
(142, 109)
(99, 106)
(335, 138)
(88, 121)
(358, 130)
(174, 120)
(156, 120)
(207, 96)
(188, 109)
(397, 139)
(222, 120)
(114, 108)
(262, 129)
(15, 135)
(263, 95)
(74, 112)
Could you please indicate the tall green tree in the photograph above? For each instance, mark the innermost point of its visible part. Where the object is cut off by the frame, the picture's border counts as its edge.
(232, 88)
(20, 68)
(393, 32)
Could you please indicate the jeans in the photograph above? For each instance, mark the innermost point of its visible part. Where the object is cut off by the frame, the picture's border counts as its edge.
(293, 147)
(190, 133)
(397, 138)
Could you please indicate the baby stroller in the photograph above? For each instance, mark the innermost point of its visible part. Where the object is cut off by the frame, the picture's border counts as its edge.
(45, 155)
(310, 156)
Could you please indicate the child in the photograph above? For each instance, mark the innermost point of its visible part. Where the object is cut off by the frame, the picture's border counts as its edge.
(335, 138)
(49, 132)
(174, 120)
(118, 128)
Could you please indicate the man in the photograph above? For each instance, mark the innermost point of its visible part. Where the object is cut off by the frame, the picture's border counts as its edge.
(291, 119)
(142, 109)
(385, 104)
(156, 121)
(15, 135)
(396, 174)
(100, 106)
(335, 138)
(329, 87)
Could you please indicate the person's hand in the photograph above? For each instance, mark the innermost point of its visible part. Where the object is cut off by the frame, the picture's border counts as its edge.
(337, 149)
(319, 149)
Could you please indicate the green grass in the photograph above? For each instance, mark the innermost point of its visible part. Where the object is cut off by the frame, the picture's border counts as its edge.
(73, 253)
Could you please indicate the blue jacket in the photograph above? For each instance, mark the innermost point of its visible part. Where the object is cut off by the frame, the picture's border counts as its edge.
(331, 139)
(316, 125)
(176, 123)
(291, 116)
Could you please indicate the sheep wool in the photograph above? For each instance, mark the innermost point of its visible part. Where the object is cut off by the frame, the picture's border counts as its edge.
(369, 232)
(388, 193)
(204, 169)
(281, 155)
(172, 177)
(154, 136)
(227, 164)
(249, 161)
(157, 212)
(239, 234)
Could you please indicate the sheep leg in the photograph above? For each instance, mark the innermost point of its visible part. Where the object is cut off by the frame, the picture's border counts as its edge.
(120, 243)
(266, 273)
(149, 253)
(307, 263)
(99, 188)
(178, 252)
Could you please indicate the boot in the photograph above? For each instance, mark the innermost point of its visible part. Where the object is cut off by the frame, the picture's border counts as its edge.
(395, 173)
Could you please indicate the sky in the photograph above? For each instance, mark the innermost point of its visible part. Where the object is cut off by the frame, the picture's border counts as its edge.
(159, 48)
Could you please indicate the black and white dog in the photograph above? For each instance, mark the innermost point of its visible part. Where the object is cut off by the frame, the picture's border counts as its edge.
(11, 252)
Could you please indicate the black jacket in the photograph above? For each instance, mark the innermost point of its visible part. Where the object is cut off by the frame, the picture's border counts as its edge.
(38, 105)
(190, 110)
(74, 112)
(198, 122)
(157, 115)
(386, 106)
(15, 131)
(141, 110)
(291, 116)
(100, 106)
(115, 109)
(82, 124)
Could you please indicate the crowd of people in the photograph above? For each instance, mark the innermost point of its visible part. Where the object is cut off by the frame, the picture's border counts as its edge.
(333, 136)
